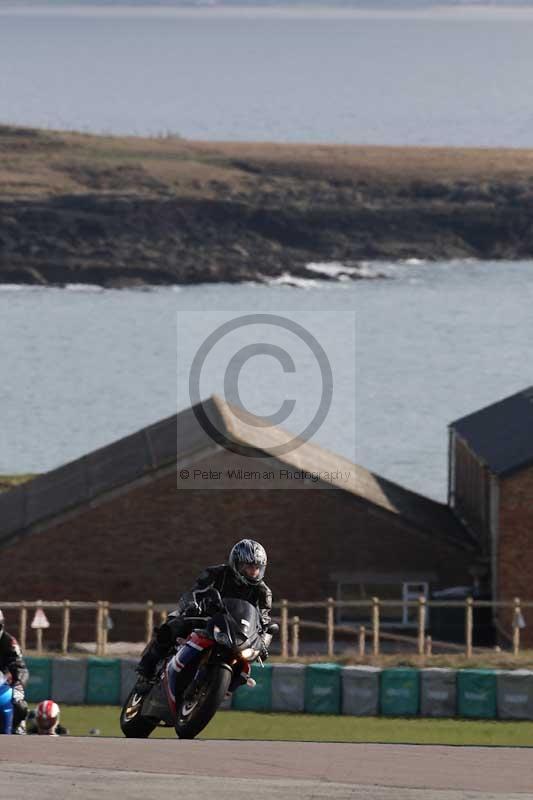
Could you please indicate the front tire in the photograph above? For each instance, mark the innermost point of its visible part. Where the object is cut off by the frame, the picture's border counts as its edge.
(132, 723)
(195, 711)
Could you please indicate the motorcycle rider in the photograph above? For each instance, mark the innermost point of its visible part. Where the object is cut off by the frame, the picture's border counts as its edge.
(241, 577)
(12, 663)
(44, 721)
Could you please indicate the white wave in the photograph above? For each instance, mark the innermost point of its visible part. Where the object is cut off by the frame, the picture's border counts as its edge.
(333, 269)
(414, 262)
(83, 287)
(292, 280)
(343, 272)
(370, 270)
(21, 287)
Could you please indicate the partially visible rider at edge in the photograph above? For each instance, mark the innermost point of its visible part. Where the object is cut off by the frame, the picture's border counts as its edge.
(241, 577)
(13, 666)
(44, 721)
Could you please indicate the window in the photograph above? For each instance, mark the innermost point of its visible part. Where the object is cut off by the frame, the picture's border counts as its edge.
(411, 592)
(397, 591)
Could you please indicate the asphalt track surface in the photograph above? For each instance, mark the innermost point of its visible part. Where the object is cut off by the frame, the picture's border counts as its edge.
(118, 769)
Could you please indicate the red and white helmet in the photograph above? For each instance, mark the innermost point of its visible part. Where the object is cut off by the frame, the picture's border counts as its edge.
(47, 717)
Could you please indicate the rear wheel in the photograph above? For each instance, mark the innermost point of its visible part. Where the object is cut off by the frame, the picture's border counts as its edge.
(132, 723)
(199, 705)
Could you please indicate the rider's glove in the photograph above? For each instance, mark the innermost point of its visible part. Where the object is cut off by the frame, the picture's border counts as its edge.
(193, 609)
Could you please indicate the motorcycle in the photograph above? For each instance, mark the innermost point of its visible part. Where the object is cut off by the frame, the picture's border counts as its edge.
(192, 683)
(6, 706)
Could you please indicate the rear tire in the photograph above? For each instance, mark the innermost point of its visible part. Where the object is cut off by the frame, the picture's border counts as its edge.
(132, 723)
(195, 712)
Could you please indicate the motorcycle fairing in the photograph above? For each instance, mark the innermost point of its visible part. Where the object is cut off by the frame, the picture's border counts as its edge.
(239, 620)
(6, 706)
(156, 703)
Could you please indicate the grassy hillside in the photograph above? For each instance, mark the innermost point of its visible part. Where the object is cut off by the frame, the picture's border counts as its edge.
(120, 210)
(9, 481)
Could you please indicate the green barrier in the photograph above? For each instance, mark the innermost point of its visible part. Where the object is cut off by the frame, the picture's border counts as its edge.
(40, 682)
(476, 693)
(260, 697)
(323, 689)
(400, 692)
(103, 681)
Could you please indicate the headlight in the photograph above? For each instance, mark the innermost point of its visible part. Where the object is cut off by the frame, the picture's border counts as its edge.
(249, 653)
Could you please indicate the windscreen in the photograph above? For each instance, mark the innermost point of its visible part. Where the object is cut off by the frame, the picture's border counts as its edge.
(245, 616)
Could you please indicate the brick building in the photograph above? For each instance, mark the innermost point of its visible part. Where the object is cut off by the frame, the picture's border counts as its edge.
(121, 524)
(491, 492)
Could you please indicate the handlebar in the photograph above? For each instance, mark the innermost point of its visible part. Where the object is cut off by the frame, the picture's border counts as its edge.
(211, 599)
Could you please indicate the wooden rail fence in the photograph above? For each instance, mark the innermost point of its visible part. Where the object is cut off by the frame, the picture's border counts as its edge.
(290, 626)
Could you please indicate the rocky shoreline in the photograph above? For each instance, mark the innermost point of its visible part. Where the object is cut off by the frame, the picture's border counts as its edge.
(123, 212)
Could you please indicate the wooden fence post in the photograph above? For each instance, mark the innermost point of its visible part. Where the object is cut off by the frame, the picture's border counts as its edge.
(39, 633)
(284, 634)
(421, 624)
(163, 616)
(428, 646)
(331, 626)
(23, 624)
(149, 620)
(517, 615)
(362, 638)
(469, 625)
(295, 636)
(98, 631)
(375, 626)
(65, 627)
(105, 624)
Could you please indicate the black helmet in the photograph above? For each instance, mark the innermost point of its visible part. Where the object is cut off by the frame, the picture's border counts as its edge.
(248, 552)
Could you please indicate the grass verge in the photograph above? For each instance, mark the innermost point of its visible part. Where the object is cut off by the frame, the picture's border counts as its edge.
(320, 728)
(9, 481)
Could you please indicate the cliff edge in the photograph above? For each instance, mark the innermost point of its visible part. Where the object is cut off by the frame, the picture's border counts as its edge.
(118, 211)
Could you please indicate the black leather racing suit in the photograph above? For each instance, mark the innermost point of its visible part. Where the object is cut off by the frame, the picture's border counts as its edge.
(220, 577)
(12, 663)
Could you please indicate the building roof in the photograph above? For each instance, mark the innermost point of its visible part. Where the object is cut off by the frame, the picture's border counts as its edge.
(501, 434)
(181, 440)
(416, 509)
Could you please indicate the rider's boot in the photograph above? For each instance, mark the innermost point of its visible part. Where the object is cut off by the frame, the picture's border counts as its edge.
(163, 640)
(20, 709)
(151, 655)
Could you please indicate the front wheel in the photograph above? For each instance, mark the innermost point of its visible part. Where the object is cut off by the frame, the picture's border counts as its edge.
(132, 722)
(200, 706)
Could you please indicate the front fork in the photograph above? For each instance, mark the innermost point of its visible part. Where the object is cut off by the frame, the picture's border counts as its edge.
(190, 656)
(241, 675)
